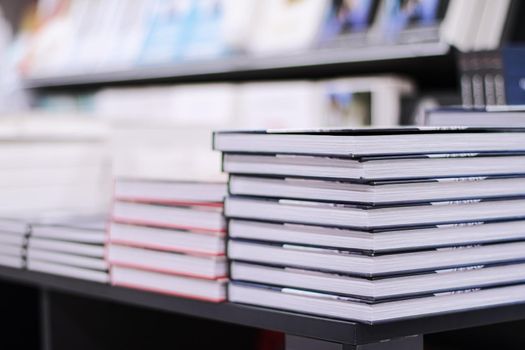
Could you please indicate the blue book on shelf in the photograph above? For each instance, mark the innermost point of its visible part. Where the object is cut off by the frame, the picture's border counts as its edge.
(167, 31)
(204, 32)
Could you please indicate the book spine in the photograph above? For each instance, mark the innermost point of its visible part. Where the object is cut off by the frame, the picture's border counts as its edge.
(513, 75)
(465, 82)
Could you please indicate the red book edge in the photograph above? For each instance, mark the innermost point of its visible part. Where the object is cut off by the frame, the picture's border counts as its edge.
(164, 271)
(200, 253)
(221, 234)
(165, 225)
(147, 200)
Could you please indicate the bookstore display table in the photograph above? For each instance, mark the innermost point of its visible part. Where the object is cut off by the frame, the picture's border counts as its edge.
(302, 332)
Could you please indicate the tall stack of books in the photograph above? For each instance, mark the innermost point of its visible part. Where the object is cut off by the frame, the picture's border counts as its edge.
(376, 224)
(72, 247)
(168, 237)
(52, 163)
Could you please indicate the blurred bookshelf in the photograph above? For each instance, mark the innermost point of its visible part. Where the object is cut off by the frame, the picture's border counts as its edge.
(305, 64)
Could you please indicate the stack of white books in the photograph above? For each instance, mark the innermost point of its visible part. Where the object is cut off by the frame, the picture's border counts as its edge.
(169, 237)
(58, 163)
(376, 224)
(72, 247)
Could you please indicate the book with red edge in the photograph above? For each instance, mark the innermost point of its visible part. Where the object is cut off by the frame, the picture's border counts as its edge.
(171, 240)
(166, 262)
(169, 284)
(192, 218)
(178, 193)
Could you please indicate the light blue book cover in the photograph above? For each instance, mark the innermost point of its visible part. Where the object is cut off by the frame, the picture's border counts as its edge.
(205, 35)
(167, 31)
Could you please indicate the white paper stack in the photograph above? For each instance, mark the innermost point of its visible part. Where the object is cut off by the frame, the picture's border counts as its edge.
(51, 164)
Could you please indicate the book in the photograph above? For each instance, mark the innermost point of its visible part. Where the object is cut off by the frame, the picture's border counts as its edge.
(186, 287)
(357, 263)
(492, 25)
(483, 117)
(461, 23)
(376, 141)
(167, 239)
(378, 192)
(198, 266)
(13, 236)
(68, 271)
(170, 192)
(336, 306)
(199, 218)
(283, 26)
(12, 239)
(368, 217)
(415, 238)
(14, 226)
(364, 101)
(11, 261)
(438, 281)
(405, 22)
(47, 129)
(205, 37)
(69, 244)
(346, 23)
(11, 251)
(376, 168)
(83, 249)
(49, 155)
(167, 26)
(492, 77)
(67, 259)
(81, 229)
(50, 176)
(279, 104)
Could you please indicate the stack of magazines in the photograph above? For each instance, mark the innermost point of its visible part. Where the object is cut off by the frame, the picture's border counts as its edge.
(72, 247)
(168, 237)
(376, 224)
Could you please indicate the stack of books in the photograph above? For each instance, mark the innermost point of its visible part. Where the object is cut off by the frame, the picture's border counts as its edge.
(13, 236)
(72, 247)
(53, 163)
(376, 224)
(168, 237)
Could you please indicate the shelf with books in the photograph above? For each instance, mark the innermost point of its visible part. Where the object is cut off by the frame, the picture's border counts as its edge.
(304, 64)
(311, 327)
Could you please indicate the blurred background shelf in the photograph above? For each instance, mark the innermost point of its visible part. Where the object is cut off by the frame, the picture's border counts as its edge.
(304, 64)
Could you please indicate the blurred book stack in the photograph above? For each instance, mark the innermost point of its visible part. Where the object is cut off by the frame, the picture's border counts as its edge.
(70, 41)
(375, 224)
(52, 163)
(493, 77)
(72, 247)
(169, 237)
